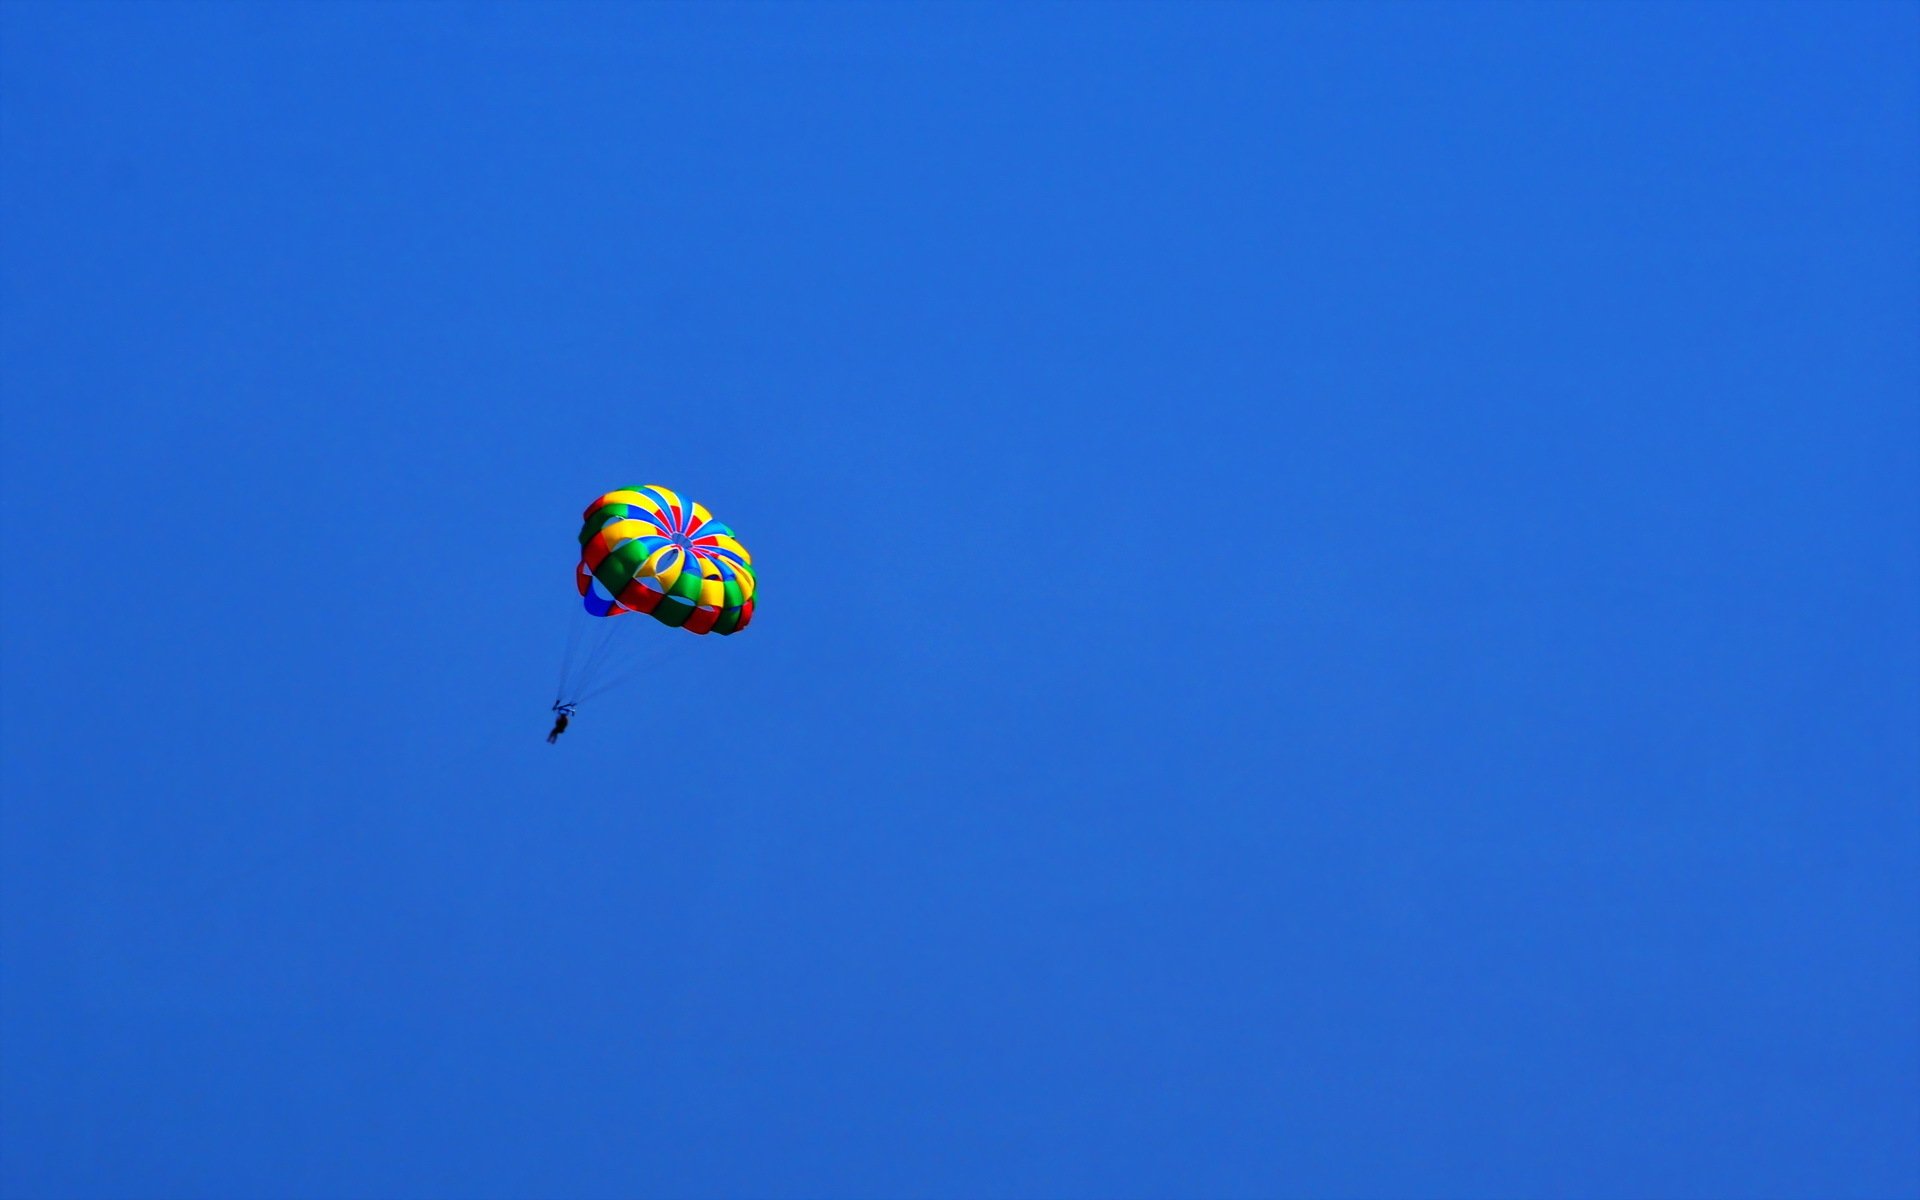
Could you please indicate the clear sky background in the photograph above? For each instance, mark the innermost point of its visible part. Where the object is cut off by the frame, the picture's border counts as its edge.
(1340, 601)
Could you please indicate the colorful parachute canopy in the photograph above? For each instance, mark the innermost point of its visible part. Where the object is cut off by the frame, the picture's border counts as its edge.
(651, 550)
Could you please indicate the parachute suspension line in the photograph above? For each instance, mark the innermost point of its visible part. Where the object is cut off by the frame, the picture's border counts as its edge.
(587, 641)
(602, 641)
(632, 673)
(566, 658)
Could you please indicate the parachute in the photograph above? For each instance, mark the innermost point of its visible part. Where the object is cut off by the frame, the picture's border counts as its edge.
(648, 550)
(651, 550)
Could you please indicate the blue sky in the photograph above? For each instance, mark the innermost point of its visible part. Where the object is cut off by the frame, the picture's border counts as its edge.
(1340, 601)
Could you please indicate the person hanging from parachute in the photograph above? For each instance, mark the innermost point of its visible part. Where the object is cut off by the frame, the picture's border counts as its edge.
(650, 550)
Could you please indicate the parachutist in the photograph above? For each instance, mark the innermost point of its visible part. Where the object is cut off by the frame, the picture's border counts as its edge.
(564, 711)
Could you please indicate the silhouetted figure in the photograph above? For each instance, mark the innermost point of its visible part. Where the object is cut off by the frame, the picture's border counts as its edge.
(565, 711)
